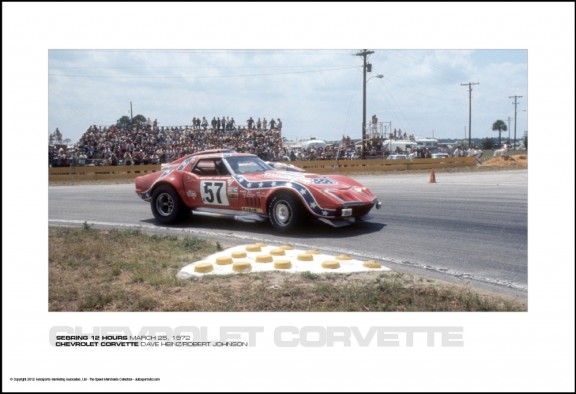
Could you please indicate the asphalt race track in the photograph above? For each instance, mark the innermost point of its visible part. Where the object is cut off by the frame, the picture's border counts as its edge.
(466, 227)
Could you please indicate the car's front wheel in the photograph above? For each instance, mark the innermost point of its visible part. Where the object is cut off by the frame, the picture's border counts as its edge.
(167, 206)
(285, 212)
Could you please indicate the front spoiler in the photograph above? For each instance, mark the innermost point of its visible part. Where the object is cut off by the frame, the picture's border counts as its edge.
(146, 196)
(346, 221)
(338, 222)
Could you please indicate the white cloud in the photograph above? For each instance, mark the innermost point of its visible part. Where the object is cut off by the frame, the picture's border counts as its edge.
(315, 92)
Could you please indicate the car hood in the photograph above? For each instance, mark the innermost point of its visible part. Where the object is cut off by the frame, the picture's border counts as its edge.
(335, 189)
(305, 179)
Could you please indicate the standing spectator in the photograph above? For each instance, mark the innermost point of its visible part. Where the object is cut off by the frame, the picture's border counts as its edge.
(82, 159)
(279, 126)
(272, 123)
(127, 159)
(478, 154)
(264, 124)
(204, 123)
(258, 124)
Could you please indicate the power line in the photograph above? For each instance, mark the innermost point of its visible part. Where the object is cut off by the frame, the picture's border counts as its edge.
(470, 109)
(201, 76)
(366, 66)
(515, 114)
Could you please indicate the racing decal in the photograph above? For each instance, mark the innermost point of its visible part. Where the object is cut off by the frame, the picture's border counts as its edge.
(322, 181)
(233, 191)
(185, 163)
(252, 210)
(191, 194)
(285, 174)
(167, 171)
(180, 167)
(302, 190)
(214, 192)
(300, 177)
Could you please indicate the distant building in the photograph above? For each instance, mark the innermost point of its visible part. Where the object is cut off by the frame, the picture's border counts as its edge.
(430, 143)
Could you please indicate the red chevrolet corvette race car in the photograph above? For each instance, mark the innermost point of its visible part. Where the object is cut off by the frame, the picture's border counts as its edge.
(224, 183)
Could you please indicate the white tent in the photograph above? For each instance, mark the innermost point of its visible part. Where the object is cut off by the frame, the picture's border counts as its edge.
(314, 144)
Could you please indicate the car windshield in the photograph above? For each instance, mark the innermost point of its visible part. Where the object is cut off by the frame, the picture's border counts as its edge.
(247, 164)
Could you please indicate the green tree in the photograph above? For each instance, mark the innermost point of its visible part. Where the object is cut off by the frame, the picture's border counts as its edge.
(499, 125)
(124, 122)
(55, 137)
(138, 119)
(487, 143)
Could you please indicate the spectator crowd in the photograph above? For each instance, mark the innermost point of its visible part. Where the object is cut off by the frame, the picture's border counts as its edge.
(149, 143)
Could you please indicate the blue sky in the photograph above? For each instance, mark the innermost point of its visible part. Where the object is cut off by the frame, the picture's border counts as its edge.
(316, 92)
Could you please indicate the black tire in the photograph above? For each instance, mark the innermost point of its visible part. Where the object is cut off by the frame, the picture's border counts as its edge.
(166, 204)
(285, 212)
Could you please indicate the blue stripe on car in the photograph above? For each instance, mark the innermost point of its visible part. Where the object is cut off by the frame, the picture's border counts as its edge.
(302, 190)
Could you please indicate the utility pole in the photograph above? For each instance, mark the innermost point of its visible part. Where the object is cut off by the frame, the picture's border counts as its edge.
(515, 114)
(470, 109)
(130, 112)
(364, 54)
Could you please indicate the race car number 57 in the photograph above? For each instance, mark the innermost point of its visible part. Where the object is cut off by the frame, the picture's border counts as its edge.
(213, 192)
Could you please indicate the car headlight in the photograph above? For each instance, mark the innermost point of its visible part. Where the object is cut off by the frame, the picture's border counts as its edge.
(360, 189)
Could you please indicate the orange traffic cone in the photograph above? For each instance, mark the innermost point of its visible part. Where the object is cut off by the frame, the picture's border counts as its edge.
(432, 176)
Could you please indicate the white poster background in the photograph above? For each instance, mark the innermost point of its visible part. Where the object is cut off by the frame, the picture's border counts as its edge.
(532, 351)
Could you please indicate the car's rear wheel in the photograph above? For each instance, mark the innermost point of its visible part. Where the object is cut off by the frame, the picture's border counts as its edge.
(285, 212)
(166, 204)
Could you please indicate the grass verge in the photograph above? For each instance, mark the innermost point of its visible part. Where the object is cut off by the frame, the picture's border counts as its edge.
(126, 270)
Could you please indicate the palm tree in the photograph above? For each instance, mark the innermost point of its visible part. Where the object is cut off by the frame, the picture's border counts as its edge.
(500, 126)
